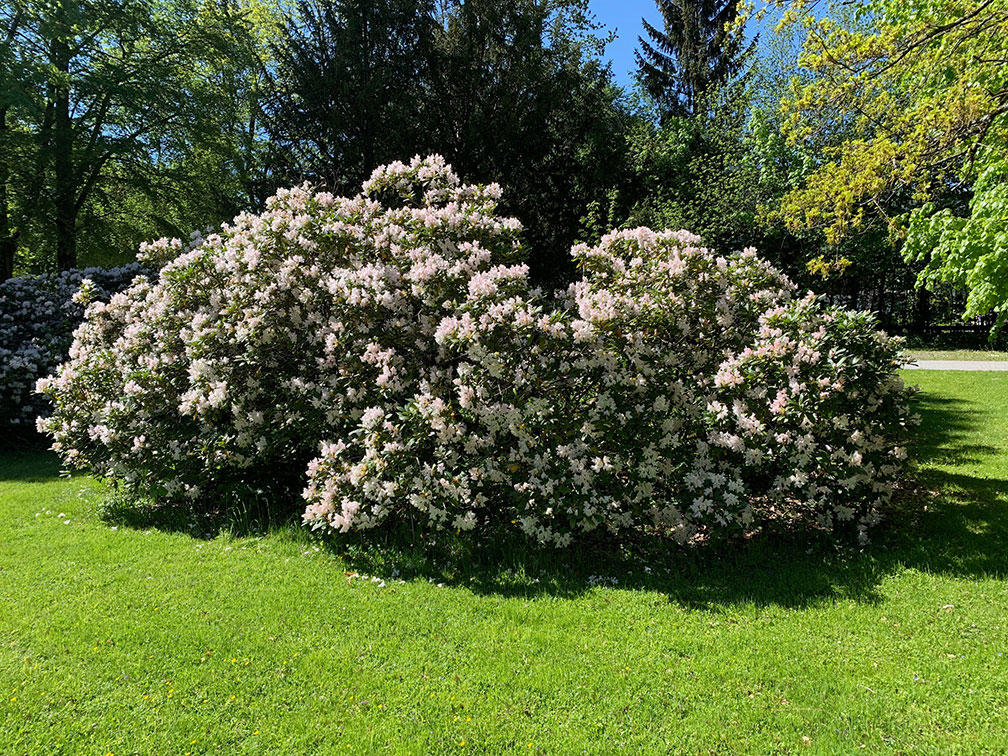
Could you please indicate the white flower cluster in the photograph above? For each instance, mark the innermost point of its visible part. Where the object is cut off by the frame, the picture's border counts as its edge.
(391, 345)
(37, 317)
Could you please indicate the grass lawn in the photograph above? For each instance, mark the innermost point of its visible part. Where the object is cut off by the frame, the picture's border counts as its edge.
(957, 354)
(132, 635)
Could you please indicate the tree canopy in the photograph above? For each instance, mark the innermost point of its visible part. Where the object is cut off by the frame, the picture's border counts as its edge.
(915, 95)
(102, 104)
(699, 49)
(884, 164)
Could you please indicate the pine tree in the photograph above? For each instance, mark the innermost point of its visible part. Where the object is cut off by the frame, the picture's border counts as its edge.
(349, 88)
(699, 49)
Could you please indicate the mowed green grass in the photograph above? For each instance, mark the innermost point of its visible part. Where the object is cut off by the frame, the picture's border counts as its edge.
(958, 354)
(130, 634)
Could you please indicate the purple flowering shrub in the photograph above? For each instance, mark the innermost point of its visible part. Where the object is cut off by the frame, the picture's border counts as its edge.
(387, 354)
(38, 315)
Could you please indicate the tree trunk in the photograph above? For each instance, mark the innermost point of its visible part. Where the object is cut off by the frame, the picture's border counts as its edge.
(64, 181)
(8, 243)
(8, 246)
(922, 312)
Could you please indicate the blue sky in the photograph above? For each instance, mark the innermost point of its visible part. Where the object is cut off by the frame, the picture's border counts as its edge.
(624, 17)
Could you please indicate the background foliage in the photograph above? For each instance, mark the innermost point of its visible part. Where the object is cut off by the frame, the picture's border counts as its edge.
(857, 145)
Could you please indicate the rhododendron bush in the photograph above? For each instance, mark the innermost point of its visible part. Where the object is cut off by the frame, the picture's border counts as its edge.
(38, 315)
(387, 354)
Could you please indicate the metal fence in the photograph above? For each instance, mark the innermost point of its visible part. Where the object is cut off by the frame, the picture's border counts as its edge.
(925, 317)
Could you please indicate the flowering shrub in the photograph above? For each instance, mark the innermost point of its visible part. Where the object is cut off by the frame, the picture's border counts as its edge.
(813, 413)
(222, 376)
(389, 349)
(37, 317)
(609, 410)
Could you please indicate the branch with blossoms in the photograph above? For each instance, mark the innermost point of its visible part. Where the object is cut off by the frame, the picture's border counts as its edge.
(387, 355)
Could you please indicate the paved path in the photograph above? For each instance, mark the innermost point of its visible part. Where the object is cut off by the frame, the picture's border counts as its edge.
(958, 365)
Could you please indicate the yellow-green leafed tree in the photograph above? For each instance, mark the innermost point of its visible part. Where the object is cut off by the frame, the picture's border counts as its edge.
(916, 94)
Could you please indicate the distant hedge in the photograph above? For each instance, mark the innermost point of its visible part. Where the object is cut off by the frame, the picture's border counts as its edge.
(38, 315)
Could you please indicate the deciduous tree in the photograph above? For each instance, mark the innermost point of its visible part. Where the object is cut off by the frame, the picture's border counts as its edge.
(919, 93)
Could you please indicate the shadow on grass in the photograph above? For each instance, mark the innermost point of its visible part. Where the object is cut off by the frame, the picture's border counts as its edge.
(951, 522)
(948, 523)
(29, 464)
(949, 431)
(246, 520)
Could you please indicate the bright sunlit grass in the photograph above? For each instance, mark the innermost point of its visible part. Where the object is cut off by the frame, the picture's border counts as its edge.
(983, 355)
(141, 634)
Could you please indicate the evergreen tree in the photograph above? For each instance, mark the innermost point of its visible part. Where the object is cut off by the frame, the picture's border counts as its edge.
(700, 48)
(524, 99)
(349, 88)
(508, 92)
